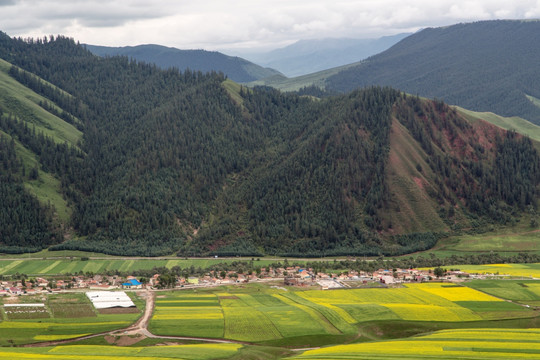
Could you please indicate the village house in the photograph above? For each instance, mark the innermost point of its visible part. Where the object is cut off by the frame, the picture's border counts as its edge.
(132, 284)
(15, 290)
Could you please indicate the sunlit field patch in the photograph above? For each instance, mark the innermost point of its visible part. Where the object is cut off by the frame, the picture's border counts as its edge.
(453, 293)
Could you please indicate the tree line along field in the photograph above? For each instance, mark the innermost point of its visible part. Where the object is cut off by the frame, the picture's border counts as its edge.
(64, 316)
(305, 318)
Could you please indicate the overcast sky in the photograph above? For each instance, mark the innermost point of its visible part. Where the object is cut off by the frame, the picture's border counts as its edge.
(242, 24)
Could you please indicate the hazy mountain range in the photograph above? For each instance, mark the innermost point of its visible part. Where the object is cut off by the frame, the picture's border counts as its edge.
(309, 56)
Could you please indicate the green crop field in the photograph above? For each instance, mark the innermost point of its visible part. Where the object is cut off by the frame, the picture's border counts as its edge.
(71, 352)
(447, 344)
(524, 292)
(271, 316)
(75, 265)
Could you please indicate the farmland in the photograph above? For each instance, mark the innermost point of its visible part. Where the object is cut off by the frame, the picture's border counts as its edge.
(62, 316)
(274, 316)
(441, 320)
(446, 344)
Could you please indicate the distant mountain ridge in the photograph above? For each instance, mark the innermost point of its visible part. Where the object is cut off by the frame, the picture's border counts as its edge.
(309, 56)
(483, 66)
(237, 69)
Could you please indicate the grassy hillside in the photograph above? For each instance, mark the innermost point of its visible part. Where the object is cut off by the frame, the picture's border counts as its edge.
(24, 103)
(518, 124)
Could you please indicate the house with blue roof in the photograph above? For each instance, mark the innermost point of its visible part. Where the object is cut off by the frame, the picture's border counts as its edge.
(132, 284)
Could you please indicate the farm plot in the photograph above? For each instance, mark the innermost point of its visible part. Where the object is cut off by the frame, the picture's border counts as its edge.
(25, 311)
(70, 305)
(97, 352)
(188, 314)
(245, 322)
(446, 344)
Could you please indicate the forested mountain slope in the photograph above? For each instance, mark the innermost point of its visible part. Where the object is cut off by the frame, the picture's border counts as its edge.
(34, 134)
(237, 69)
(482, 66)
(187, 162)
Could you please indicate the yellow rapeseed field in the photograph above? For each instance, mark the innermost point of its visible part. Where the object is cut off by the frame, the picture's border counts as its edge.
(453, 293)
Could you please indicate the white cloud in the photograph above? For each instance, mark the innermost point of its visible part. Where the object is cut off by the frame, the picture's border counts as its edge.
(215, 24)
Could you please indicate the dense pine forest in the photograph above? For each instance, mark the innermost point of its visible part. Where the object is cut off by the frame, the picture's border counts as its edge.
(193, 164)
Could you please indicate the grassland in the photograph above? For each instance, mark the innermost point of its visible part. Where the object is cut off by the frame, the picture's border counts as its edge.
(299, 318)
(447, 344)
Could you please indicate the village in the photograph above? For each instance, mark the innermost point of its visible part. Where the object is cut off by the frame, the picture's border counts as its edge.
(290, 276)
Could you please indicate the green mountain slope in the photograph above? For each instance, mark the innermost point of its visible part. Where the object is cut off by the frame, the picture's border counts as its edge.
(35, 208)
(196, 164)
(483, 66)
